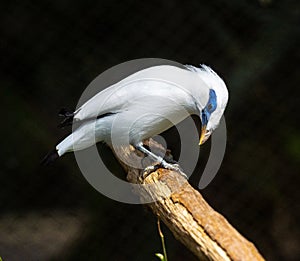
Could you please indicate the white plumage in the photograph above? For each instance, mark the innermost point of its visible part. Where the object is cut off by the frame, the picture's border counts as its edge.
(147, 103)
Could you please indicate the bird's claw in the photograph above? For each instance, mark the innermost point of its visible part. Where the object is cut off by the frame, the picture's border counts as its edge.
(174, 167)
(148, 170)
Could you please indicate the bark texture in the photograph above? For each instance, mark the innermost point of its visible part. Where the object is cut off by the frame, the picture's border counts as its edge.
(198, 226)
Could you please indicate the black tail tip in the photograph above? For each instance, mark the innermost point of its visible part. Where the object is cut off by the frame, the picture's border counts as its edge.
(50, 158)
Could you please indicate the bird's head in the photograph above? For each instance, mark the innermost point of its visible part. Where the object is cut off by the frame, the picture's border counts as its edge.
(211, 112)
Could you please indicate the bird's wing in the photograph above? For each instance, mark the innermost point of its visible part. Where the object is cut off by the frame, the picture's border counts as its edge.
(162, 80)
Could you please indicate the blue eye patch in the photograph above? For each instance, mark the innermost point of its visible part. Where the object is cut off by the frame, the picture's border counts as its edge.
(212, 102)
(210, 106)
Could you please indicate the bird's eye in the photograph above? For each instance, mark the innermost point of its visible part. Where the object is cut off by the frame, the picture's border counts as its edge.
(209, 107)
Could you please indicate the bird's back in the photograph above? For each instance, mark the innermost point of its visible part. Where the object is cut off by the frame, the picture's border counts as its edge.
(144, 89)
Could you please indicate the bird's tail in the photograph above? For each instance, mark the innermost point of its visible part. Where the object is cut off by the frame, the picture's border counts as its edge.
(50, 158)
(82, 138)
(63, 147)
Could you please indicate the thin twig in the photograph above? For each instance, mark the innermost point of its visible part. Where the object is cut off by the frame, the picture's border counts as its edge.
(162, 239)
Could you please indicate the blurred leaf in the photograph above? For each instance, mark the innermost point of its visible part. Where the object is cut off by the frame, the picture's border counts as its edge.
(160, 256)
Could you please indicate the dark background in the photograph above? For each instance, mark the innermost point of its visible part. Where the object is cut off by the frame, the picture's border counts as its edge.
(51, 50)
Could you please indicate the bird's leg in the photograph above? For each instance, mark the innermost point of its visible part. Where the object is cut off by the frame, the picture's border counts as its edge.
(160, 160)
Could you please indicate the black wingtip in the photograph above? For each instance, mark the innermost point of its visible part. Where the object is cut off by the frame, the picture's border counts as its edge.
(68, 117)
(65, 113)
(65, 122)
(50, 158)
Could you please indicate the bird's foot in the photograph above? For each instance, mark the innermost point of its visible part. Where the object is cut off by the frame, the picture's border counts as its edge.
(148, 170)
(174, 167)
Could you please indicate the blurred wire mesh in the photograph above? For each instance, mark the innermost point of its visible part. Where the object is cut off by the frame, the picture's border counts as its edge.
(51, 50)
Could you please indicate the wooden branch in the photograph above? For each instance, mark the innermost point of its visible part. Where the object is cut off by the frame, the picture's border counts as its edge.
(201, 229)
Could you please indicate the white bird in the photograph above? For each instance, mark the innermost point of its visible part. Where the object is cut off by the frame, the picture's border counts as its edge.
(143, 105)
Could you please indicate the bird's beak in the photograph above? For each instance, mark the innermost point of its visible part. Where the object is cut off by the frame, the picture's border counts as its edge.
(205, 134)
(202, 135)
